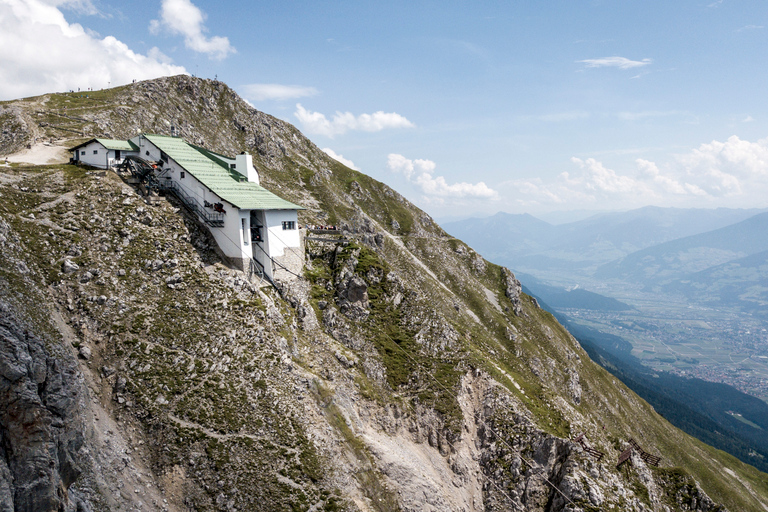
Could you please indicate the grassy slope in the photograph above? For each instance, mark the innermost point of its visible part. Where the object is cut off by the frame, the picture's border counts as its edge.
(607, 402)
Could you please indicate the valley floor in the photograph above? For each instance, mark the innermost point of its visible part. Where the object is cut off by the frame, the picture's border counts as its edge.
(710, 344)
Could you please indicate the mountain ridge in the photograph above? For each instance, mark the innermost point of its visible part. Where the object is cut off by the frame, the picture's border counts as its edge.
(692, 253)
(625, 232)
(394, 401)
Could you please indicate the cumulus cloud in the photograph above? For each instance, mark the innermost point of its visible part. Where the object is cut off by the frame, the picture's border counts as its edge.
(420, 172)
(182, 17)
(262, 92)
(728, 168)
(732, 173)
(614, 62)
(42, 52)
(591, 185)
(650, 171)
(340, 158)
(598, 178)
(342, 122)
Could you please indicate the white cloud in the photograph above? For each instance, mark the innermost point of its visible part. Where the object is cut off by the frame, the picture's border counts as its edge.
(420, 172)
(748, 119)
(261, 92)
(340, 158)
(79, 6)
(558, 117)
(615, 62)
(594, 185)
(42, 52)
(342, 122)
(732, 173)
(598, 178)
(731, 168)
(750, 27)
(635, 116)
(650, 171)
(182, 17)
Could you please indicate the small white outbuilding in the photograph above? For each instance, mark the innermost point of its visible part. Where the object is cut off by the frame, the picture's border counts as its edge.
(102, 153)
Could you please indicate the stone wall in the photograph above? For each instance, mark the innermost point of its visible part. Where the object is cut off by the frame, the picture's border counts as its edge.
(293, 260)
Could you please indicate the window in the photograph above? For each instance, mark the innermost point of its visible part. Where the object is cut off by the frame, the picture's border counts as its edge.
(181, 175)
(289, 224)
(245, 232)
(163, 157)
(82, 152)
(95, 151)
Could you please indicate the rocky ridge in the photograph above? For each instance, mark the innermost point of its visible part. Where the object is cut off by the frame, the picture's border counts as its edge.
(404, 372)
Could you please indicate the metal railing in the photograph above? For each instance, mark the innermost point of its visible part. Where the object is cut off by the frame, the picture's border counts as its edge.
(214, 219)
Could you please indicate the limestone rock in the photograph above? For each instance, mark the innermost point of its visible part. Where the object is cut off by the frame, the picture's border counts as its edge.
(512, 289)
(69, 266)
(40, 423)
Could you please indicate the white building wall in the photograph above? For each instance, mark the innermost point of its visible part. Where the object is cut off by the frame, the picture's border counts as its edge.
(285, 246)
(94, 154)
(279, 238)
(114, 161)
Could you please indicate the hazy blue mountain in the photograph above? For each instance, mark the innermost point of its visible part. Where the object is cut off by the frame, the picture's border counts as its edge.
(630, 231)
(504, 234)
(743, 280)
(529, 244)
(559, 298)
(675, 259)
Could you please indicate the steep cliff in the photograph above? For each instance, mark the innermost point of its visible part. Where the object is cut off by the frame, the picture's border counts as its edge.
(402, 372)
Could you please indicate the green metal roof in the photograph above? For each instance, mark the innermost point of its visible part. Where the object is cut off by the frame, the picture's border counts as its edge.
(215, 174)
(123, 145)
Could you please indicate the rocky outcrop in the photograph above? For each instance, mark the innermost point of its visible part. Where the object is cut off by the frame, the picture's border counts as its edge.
(512, 290)
(17, 130)
(41, 428)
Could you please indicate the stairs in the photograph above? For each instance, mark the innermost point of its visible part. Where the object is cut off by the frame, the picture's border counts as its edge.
(213, 219)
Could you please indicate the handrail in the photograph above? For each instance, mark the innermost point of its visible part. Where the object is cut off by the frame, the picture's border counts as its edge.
(211, 218)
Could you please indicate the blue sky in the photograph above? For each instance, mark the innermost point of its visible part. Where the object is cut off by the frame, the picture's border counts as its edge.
(466, 108)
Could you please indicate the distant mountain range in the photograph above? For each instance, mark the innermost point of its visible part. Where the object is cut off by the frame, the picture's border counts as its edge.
(560, 298)
(602, 237)
(678, 251)
(696, 253)
(743, 281)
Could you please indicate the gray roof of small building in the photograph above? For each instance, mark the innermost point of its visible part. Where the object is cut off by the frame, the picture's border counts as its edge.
(122, 145)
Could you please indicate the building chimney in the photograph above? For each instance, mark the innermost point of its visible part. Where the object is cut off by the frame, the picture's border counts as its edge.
(244, 165)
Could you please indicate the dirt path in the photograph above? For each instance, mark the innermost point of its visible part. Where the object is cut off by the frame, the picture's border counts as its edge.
(40, 154)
